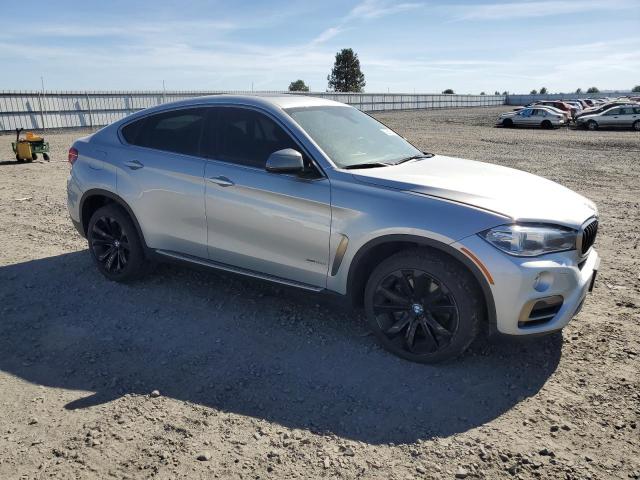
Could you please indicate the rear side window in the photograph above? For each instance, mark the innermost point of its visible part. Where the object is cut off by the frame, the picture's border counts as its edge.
(247, 137)
(130, 131)
(175, 131)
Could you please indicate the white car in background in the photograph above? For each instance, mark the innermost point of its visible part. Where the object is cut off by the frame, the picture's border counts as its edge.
(542, 117)
(624, 116)
(567, 115)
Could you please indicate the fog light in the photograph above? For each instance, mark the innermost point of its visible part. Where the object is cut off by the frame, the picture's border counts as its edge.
(543, 281)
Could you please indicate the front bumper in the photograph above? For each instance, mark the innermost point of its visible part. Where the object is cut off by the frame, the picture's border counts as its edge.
(520, 282)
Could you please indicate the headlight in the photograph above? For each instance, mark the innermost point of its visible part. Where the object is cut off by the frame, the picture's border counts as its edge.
(530, 240)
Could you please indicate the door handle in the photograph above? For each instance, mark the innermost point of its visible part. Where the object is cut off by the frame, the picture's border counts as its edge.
(221, 181)
(134, 164)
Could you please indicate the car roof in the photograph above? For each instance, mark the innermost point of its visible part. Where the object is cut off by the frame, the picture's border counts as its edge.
(258, 100)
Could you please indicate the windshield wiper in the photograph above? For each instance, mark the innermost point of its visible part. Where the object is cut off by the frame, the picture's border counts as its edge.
(414, 157)
(367, 165)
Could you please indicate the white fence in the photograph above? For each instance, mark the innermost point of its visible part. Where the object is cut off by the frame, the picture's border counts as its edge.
(42, 110)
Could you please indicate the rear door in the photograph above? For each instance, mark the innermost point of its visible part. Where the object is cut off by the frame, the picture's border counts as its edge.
(271, 223)
(161, 177)
(610, 118)
(626, 117)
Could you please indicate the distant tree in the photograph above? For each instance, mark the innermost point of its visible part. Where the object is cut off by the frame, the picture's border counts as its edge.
(298, 86)
(448, 91)
(496, 92)
(579, 91)
(482, 93)
(346, 75)
(593, 90)
(505, 93)
(533, 92)
(543, 91)
(636, 89)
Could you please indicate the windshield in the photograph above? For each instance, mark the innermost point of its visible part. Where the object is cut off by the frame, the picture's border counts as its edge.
(350, 137)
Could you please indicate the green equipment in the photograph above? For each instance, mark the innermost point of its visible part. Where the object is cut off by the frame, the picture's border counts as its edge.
(28, 147)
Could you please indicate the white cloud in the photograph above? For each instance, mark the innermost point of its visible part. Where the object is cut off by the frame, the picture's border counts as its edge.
(369, 9)
(515, 10)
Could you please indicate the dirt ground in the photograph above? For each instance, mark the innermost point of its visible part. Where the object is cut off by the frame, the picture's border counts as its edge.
(192, 374)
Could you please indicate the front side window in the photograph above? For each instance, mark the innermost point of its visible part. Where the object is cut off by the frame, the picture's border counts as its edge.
(174, 131)
(247, 137)
(614, 111)
(350, 137)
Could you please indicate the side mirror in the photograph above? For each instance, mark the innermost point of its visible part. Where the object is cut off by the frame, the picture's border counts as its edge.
(285, 161)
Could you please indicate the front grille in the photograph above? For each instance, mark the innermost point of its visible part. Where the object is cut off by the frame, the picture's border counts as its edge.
(589, 236)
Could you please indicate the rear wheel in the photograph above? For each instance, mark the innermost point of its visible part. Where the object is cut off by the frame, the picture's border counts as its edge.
(507, 123)
(546, 124)
(115, 245)
(423, 306)
(592, 125)
(636, 125)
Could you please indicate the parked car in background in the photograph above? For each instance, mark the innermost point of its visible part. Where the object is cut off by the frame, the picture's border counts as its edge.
(627, 116)
(574, 104)
(606, 106)
(560, 105)
(318, 195)
(565, 114)
(542, 117)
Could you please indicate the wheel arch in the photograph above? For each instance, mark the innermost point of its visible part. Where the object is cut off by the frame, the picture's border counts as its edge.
(376, 250)
(95, 198)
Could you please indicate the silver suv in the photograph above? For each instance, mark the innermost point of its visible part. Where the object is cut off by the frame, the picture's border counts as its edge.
(318, 195)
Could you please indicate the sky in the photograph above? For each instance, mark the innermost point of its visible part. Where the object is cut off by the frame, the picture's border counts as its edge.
(403, 46)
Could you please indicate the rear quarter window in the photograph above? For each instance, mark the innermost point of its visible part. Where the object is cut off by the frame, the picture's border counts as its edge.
(130, 131)
(175, 131)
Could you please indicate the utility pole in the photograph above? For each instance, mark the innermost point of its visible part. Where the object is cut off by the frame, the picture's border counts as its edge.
(41, 102)
(164, 93)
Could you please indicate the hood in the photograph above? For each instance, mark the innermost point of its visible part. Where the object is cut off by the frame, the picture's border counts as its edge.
(507, 191)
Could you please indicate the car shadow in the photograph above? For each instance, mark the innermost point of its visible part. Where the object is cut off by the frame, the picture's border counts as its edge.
(248, 347)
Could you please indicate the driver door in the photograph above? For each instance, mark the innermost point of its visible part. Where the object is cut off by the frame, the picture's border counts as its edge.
(270, 223)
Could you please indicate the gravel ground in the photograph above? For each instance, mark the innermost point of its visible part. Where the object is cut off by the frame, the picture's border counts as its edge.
(192, 374)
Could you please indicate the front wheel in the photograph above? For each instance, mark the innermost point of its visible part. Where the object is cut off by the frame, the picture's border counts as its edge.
(592, 125)
(115, 245)
(507, 123)
(423, 306)
(546, 124)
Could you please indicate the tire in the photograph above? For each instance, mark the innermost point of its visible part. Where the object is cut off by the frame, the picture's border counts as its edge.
(546, 124)
(33, 157)
(507, 123)
(18, 159)
(439, 302)
(592, 125)
(636, 125)
(114, 244)
(45, 156)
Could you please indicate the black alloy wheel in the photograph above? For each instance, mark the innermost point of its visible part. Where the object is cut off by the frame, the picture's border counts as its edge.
(115, 244)
(423, 305)
(110, 244)
(415, 311)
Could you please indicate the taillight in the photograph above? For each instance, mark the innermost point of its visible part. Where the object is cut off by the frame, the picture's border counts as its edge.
(73, 155)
